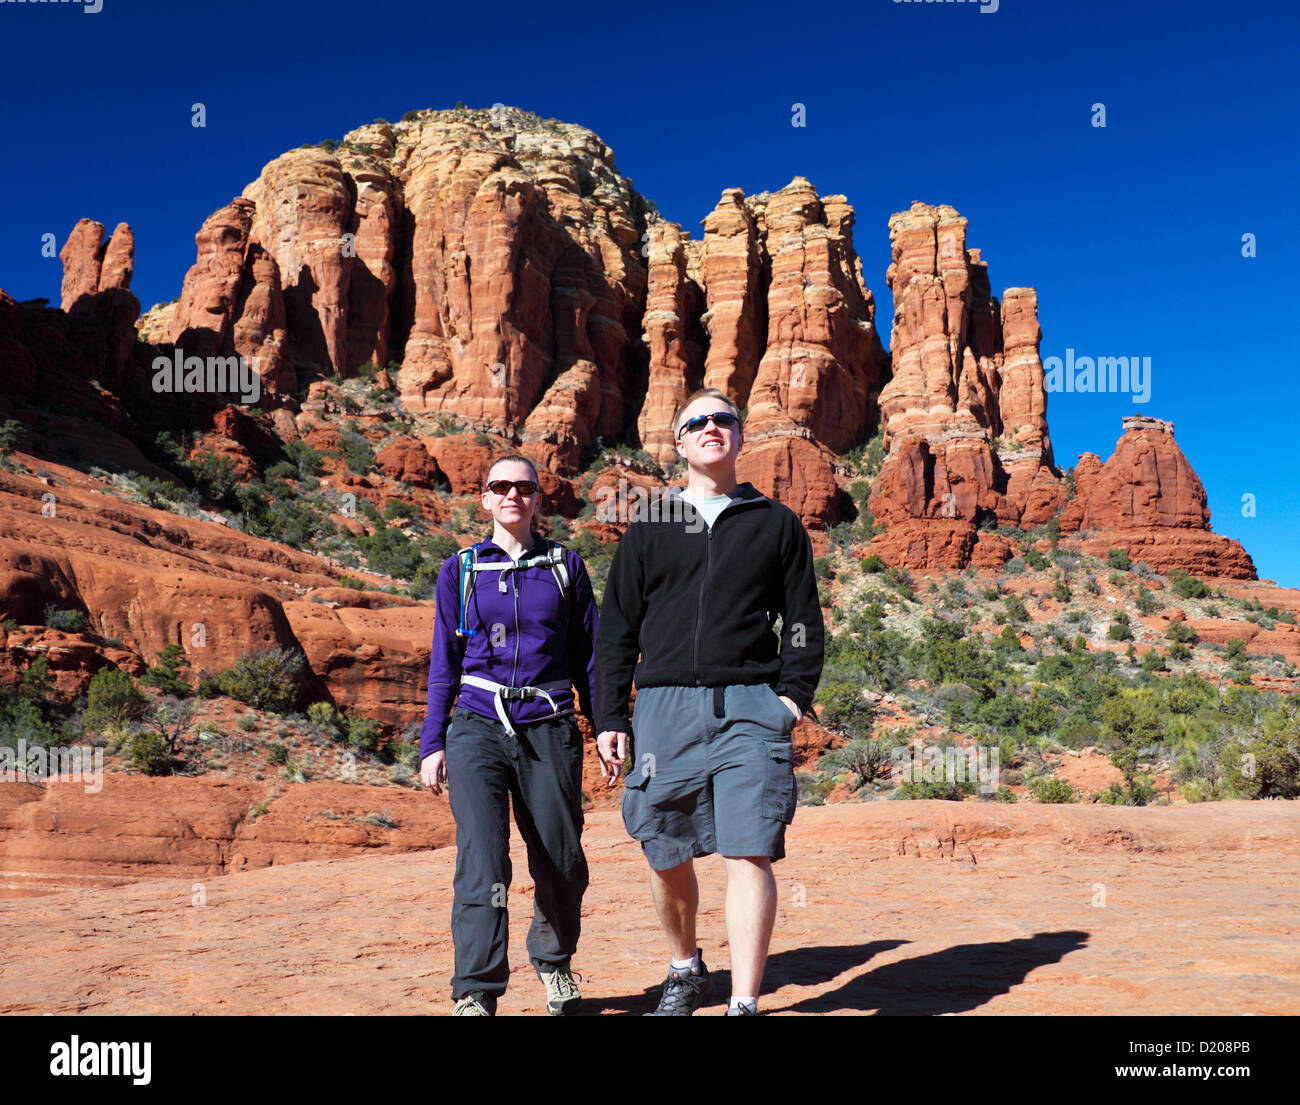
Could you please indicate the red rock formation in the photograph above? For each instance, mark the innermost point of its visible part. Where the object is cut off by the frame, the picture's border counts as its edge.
(964, 416)
(302, 208)
(260, 332)
(525, 276)
(736, 319)
(410, 462)
(676, 361)
(83, 257)
(822, 367)
(150, 578)
(202, 321)
(1146, 499)
(798, 472)
(97, 297)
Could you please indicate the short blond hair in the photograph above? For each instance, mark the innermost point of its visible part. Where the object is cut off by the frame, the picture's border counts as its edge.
(702, 393)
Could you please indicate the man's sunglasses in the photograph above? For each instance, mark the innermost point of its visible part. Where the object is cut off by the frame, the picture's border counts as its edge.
(502, 487)
(724, 420)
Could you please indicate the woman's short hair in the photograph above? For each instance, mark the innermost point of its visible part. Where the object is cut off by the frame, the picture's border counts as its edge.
(702, 393)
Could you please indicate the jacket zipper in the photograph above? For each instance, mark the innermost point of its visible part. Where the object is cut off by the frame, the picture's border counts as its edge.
(699, 606)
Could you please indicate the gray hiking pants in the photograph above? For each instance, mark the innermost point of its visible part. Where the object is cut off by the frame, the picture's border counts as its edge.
(540, 770)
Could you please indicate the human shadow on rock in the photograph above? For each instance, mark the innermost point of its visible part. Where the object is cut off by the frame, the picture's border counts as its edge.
(955, 980)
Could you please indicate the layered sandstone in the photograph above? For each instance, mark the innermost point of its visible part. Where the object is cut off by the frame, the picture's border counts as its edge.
(673, 303)
(149, 578)
(964, 415)
(822, 368)
(1147, 500)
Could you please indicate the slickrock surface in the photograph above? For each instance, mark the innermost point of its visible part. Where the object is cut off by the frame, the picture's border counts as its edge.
(891, 907)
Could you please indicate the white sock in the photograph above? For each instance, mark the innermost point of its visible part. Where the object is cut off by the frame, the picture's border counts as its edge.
(735, 1003)
(684, 964)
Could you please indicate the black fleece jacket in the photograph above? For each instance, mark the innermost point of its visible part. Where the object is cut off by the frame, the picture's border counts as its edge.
(700, 605)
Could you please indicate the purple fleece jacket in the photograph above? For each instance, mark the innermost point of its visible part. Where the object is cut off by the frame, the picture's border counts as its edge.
(527, 636)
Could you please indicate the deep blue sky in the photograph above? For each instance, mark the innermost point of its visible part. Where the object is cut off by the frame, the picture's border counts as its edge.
(1131, 234)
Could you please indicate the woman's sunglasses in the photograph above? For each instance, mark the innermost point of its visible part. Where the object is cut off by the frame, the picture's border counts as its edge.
(502, 487)
(724, 420)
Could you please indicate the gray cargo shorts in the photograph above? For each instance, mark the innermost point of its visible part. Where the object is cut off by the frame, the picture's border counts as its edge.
(712, 771)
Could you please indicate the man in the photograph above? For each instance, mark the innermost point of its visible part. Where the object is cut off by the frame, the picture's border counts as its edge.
(696, 589)
(515, 631)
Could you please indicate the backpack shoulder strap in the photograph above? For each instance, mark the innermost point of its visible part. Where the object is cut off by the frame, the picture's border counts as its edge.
(560, 569)
(467, 561)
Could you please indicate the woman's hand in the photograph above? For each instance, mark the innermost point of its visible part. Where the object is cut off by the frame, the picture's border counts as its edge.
(433, 770)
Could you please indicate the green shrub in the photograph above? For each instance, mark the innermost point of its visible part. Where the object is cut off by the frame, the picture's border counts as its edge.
(326, 717)
(356, 452)
(150, 753)
(1188, 586)
(1035, 559)
(1051, 790)
(282, 470)
(69, 621)
(873, 563)
(308, 460)
(1060, 591)
(1138, 793)
(216, 475)
(1235, 649)
(265, 679)
(363, 734)
(1118, 559)
(864, 758)
(948, 792)
(113, 698)
(1015, 609)
(166, 675)
(1145, 600)
(11, 433)
(1181, 632)
(1153, 661)
(396, 509)
(277, 754)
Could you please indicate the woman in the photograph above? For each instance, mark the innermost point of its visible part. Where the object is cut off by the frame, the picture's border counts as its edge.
(515, 633)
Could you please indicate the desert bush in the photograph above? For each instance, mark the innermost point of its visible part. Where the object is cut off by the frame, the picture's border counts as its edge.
(1188, 586)
(113, 697)
(166, 674)
(1051, 790)
(264, 679)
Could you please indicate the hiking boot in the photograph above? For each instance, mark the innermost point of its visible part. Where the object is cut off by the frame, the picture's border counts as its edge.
(684, 991)
(475, 1004)
(562, 997)
(743, 1011)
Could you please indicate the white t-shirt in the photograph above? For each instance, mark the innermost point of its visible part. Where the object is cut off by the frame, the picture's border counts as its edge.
(710, 506)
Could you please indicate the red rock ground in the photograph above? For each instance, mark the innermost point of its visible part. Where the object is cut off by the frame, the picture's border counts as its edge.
(887, 907)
